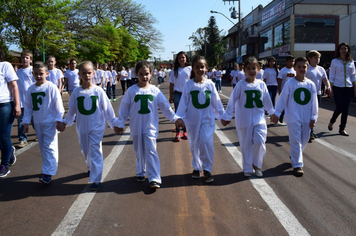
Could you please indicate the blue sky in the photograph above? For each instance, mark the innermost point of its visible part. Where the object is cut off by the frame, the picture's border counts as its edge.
(177, 20)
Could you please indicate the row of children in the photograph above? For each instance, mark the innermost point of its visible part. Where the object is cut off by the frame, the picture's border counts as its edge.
(199, 106)
(275, 79)
(105, 76)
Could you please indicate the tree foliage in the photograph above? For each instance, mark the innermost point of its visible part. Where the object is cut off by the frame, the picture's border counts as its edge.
(98, 30)
(209, 42)
(27, 22)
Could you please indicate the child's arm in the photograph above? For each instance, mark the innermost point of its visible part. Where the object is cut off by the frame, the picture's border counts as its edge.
(72, 106)
(166, 108)
(123, 113)
(267, 102)
(108, 110)
(216, 104)
(28, 111)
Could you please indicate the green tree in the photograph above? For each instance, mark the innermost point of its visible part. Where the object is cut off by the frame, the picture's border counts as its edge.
(27, 22)
(209, 42)
(120, 13)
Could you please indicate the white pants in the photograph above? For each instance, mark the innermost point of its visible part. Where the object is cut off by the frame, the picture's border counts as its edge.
(48, 142)
(90, 145)
(253, 147)
(201, 144)
(147, 156)
(299, 134)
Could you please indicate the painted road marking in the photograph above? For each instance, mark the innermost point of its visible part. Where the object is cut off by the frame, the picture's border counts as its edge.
(283, 214)
(81, 204)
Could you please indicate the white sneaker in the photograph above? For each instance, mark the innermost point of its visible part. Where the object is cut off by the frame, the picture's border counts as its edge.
(247, 174)
(258, 172)
(22, 144)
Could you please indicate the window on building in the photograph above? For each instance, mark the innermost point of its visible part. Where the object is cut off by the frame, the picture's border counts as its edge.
(282, 34)
(314, 30)
(266, 41)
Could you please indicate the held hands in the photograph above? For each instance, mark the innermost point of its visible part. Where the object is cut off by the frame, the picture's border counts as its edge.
(225, 122)
(274, 119)
(61, 126)
(312, 124)
(118, 130)
(180, 123)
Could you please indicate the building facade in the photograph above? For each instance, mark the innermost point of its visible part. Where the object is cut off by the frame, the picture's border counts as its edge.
(293, 27)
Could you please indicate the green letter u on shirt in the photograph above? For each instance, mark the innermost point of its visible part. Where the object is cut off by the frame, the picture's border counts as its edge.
(81, 107)
(195, 99)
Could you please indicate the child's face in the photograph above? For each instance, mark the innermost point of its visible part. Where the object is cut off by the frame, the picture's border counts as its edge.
(314, 61)
(51, 62)
(301, 68)
(40, 75)
(199, 68)
(236, 67)
(86, 73)
(290, 63)
(182, 59)
(271, 63)
(251, 71)
(144, 76)
(26, 60)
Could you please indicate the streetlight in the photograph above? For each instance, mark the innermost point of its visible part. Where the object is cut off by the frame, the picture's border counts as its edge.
(173, 54)
(223, 15)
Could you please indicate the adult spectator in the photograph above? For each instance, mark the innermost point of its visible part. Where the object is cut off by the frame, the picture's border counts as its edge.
(9, 110)
(342, 79)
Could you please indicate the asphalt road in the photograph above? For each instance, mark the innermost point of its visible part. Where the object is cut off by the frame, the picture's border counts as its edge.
(322, 202)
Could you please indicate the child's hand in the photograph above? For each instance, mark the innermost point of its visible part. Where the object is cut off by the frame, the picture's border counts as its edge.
(225, 122)
(118, 130)
(180, 123)
(61, 126)
(312, 124)
(25, 128)
(274, 119)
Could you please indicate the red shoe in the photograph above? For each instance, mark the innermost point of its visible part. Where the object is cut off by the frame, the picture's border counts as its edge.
(177, 138)
(185, 136)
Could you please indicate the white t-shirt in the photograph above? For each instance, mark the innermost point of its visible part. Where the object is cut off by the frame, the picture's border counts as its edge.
(183, 77)
(260, 74)
(295, 112)
(240, 75)
(218, 75)
(113, 76)
(44, 103)
(54, 76)
(7, 74)
(270, 75)
(316, 74)
(26, 79)
(286, 74)
(73, 78)
(144, 123)
(249, 116)
(98, 76)
(88, 117)
(133, 73)
(129, 75)
(233, 74)
(123, 75)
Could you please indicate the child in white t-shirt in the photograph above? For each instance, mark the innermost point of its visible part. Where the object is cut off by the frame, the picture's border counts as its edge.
(90, 106)
(44, 103)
